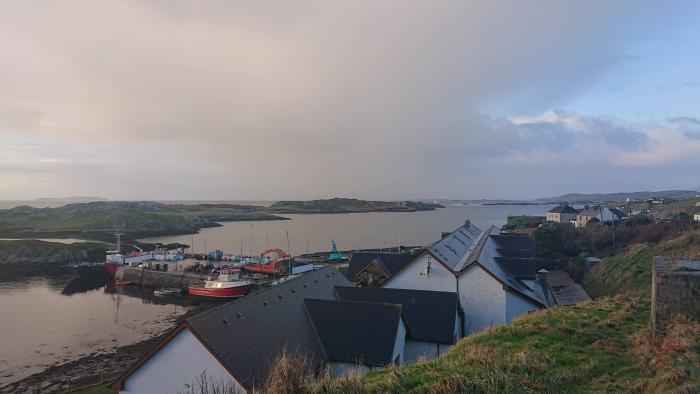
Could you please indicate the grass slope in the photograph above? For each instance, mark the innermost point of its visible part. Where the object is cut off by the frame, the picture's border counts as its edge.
(599, 346)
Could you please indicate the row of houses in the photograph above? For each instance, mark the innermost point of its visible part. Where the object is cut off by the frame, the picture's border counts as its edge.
(391, 308)
(565, 213)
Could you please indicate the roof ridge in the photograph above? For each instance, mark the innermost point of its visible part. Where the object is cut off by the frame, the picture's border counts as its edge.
(475, 251)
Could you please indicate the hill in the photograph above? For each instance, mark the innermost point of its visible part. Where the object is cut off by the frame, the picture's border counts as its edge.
(618, 196)
(348, 205)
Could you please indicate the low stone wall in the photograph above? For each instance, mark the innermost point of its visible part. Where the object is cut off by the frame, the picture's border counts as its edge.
(158, 279)
(675, 290)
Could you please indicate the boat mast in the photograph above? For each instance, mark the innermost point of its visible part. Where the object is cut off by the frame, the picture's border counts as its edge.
(289, 256)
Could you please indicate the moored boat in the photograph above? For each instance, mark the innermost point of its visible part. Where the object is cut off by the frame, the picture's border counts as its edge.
(167, 291)
(227, 285)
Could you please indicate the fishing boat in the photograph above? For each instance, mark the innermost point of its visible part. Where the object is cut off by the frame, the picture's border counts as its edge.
(272, 262)
(226, 285)
(167, 291)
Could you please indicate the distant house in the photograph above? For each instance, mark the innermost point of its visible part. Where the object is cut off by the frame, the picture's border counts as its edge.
(564, 213)
(585, 216)
(493, 275)
(372, 269)
(617, 213)
(237, 341)
(434, 318)
(696, 217)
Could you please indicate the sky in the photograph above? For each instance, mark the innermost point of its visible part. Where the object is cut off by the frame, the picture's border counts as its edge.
(375, 99)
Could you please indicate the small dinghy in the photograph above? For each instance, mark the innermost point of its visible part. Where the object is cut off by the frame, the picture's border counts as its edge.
(167, 291)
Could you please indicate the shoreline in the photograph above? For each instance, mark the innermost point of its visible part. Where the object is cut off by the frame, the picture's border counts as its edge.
(96, 368)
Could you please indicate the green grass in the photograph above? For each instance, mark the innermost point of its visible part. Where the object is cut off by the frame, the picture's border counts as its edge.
(600, 346)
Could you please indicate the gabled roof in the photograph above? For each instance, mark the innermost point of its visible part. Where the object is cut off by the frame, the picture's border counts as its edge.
(454, 249)
(618, 213)
(355, 332)
(392, 262)
(563, 208)
(498, 254)
(247, 334)
(431, 315)
(593, 212)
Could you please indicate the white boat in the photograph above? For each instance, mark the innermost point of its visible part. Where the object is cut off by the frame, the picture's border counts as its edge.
(167, 291)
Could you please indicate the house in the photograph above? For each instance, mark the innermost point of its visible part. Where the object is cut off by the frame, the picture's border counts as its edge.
(434, 318)
(372, 269)
(563, 213)
(358, 334)
(236, 342)
(585, 216)
(492, 274)
(696, 217)
(618, 214)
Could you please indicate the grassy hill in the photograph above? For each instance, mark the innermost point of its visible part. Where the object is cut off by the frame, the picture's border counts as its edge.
(599, 346)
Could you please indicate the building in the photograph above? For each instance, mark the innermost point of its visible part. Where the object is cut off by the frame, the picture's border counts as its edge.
(236, 342)
(434, 318)
(493, 275)
(618, 214)
(564, 213)
(696, 217)
(358, 334)
(585, 216)
(564, 290)
(372, 268)
(318, 315)
(675, 285)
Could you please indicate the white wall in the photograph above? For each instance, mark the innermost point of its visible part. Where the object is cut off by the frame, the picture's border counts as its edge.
(410, 278)
(400, 343)
(517, 305)
(417, 349)
(177, 364)
(339, 369)
(483, 300)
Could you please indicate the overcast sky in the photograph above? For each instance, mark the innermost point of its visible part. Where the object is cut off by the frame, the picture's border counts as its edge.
(369, 99)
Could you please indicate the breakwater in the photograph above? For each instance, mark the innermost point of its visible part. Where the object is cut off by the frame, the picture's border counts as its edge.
(158, 279)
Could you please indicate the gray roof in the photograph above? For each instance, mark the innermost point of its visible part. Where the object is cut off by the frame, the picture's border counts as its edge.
(563, 209)
(431, 315)
(391, 262)
(247, 334)
(355, 332)
(454, 250)
(508, 257)
(593, 212)
(564, 290)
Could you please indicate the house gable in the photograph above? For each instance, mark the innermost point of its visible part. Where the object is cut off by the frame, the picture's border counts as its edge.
(415, 275)
(163, 371)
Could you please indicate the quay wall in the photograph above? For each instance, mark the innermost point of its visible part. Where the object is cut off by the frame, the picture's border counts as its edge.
(158, 279)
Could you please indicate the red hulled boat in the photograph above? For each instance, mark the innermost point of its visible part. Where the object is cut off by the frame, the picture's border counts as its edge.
(226, 285)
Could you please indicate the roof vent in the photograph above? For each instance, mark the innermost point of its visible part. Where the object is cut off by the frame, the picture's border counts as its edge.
(225, 320)
(239, 315)
(279, 296)
(265, 303)
(467, 223)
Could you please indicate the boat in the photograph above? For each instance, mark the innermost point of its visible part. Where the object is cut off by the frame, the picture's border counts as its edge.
(226, 285)
(167, 291)
(272, 262)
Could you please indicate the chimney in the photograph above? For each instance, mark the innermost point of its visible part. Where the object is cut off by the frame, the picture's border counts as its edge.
(467, 223)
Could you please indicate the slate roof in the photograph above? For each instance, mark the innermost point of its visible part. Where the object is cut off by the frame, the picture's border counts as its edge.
(392, 262)
(455, 249)
(563, 209)
(431, 315)
(248, 333)
(507, 257)
(593, 212)
(355, 332)
(564, 290)
(618, 213)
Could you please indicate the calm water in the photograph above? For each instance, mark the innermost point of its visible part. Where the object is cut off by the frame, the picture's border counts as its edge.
(44, 324)
(350, 231)
(46, 321)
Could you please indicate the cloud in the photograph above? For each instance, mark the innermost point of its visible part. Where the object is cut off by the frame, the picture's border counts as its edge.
(305, 99)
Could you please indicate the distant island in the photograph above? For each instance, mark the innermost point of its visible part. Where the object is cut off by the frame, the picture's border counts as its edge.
(99, 220)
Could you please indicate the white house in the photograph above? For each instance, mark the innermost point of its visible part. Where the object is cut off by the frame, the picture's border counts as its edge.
(493, 275)
(563, 213)
(235, 343)
(696, 217)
